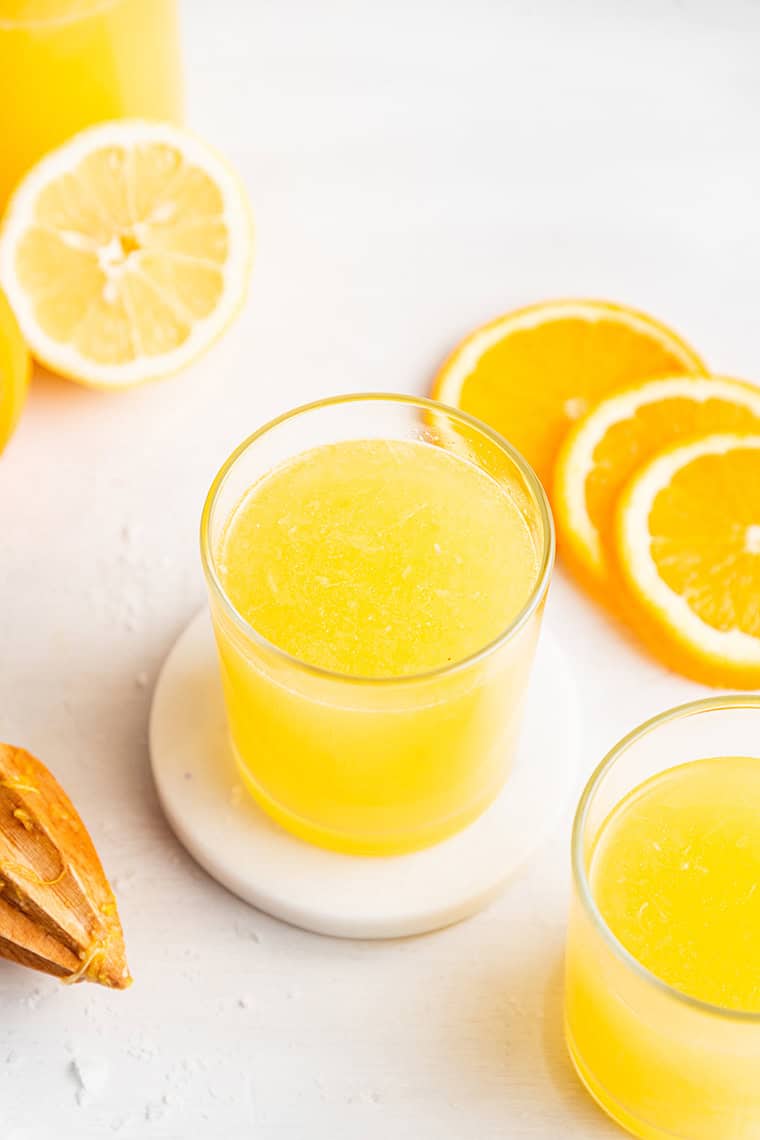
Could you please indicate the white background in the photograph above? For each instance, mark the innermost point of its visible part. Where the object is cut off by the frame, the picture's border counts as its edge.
(415, 168)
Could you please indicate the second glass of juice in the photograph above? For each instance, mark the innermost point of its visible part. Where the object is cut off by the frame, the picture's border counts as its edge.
(66, 64)
(662, 998)
(377, 567)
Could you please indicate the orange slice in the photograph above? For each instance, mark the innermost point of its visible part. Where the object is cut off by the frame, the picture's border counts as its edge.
(14, 371)
(688, 547)
(531, 373)
(619, 435)
(126, 252)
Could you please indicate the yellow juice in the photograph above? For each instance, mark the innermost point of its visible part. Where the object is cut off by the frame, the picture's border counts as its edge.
(65, 64)
(374, 568)
(675, 874)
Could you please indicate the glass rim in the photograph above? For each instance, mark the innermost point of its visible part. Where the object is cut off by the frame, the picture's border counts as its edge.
(58, 19)
(537, 594)
(580, 877)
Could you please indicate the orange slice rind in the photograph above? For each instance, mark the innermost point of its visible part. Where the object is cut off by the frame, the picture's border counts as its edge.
(531, 373)
(688, 550)
(620, 434)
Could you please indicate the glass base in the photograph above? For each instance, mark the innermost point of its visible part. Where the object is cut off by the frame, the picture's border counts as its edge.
(342, 895)
(609, 1104)
(399, 843)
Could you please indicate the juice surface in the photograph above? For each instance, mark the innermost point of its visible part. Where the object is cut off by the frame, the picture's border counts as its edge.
(378, 558)
(676, 875)
(66, 64)
(375, 559)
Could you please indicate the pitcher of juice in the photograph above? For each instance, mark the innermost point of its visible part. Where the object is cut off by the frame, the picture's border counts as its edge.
(65, 64)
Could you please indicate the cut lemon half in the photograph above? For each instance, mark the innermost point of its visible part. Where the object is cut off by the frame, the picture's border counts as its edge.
(14, 371)
(126, 252)
(619, 435)
(532, 373)
(688, 547)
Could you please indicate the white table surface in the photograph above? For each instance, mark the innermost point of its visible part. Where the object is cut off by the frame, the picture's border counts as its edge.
(415, 168)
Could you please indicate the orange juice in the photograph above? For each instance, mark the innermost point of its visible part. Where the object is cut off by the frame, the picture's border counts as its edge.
(372, 574)
(663, 999)
(65, 64)
(676, 876)
(378, 558)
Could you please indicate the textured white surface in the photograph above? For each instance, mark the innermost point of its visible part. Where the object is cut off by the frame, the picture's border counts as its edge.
(204, 800)
(415, 168)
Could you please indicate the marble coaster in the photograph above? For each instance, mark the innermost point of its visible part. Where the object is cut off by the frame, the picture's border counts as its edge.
(352, 896)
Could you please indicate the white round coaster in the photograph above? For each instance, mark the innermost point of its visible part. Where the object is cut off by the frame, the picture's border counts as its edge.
(347, 895)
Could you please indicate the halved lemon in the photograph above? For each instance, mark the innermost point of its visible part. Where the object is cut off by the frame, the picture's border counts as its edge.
(688, 547)
(14, 371)
(532, 373)
(126, 252)
(620, 434)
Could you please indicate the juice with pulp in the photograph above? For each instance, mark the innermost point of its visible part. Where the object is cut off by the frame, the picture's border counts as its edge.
(368, 570)
(675, 874)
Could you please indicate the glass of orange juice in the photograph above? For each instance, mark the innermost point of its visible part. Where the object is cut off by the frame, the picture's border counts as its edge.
(65, 64)
(377, 567)
(662, 1002)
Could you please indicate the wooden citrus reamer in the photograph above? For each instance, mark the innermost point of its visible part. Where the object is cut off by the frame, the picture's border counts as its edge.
(57, 910)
